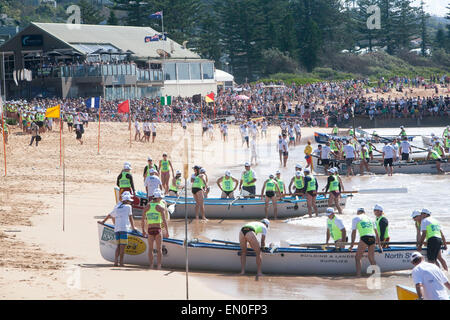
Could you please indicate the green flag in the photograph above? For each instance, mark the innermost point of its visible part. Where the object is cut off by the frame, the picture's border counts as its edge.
(166, 101)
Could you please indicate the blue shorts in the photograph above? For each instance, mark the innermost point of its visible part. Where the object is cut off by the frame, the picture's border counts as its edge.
(121, 237)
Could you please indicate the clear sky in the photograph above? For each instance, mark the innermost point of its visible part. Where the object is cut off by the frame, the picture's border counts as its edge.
(436, 7)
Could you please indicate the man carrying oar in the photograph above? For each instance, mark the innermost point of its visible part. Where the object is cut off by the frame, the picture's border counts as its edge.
(248, 234)
(368, 237)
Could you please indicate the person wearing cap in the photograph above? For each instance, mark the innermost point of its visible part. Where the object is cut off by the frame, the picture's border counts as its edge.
(198, 186)
(310, 188)
(382, 224)
(272, 192)
(153, 127)
(285, 149)
(351, 132)
(152, 183)
(334, 147)
(298, 181)
(432, 232)
(335, 130)
(137, 135)
(368, 238)
(402, 132)
(227, 184)
(149, 165)
(433, 155)
(152, 223)
(165, 166)
(389, 156)
(175, 185)
(405, 148)
(248, 180)
(335, 229)
(365, 158)
(280, 147)
(308, 155)
(430, 281)
(323, 152)
(122, 217)
(335, 187)
(417, 218)
(280, 183)
(206, 188)
(125, 180)
(248, 234)
(350, 155)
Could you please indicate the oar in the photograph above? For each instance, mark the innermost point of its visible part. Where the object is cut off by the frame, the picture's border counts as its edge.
(226, 242)
(171, 208)
(347, 243)
(373, 191)
(232, 202)
(390, 140)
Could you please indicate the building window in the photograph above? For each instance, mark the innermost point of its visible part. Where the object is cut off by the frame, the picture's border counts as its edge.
(196, 73)
(183, 71)
(170, 72)
(208, 70)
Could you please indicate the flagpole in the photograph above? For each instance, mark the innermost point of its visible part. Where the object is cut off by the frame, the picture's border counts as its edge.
(4, 144)
(99, 113)
(129, 124)
(60, 138)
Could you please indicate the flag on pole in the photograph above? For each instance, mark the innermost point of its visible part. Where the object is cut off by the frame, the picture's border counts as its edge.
(93, 102)
(53, 112)
(156, 15)
(166, 101)
(154, 38)
(210, 97)
(124, 107)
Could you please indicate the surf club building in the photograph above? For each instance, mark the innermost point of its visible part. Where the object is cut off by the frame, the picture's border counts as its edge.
(115, 62)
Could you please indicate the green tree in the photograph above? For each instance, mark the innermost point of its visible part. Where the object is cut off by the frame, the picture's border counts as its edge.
(90, 14)
(440, 41)
(112, 19)
(406, 23)
(423, 28)
(137, 11)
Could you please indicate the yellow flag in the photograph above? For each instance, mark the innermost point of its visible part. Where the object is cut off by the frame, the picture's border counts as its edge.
(52, 112)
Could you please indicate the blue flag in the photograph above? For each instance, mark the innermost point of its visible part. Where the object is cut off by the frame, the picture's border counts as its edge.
(156, 15)
(93, 103)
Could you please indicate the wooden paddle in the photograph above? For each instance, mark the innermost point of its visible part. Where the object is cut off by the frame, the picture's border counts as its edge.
(171, 208)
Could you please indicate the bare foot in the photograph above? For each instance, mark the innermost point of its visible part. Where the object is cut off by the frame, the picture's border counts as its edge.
(116, 264)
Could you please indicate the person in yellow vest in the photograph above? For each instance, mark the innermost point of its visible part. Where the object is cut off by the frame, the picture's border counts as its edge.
(175, 185)
(433, 155)
(298, 183)
(147, 168)
(335, 130)
(310, 189)
(368, 238)
(402, 132)
(248, 234)
(125, 180)
(153, 222)
(69, 121)
(382, 224)
(364, 159)
(334, 146)
(165, 166)
(335, 229)
(432, 232)
(280, 183)
(272, 192)
(228, 184)
(198, 185)
(248, 180)
(335, 187)
(447, 144)
(122, 217)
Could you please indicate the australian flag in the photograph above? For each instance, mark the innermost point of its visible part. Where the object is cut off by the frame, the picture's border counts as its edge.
(93, 103)
(156, 15)
(154, 38)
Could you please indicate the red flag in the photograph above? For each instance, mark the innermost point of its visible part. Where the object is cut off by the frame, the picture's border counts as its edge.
(210, 97)
(124, 107)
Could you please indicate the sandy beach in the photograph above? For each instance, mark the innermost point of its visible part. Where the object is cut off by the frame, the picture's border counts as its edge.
(41, 261)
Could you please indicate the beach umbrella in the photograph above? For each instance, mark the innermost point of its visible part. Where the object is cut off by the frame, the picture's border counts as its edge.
(241, 97)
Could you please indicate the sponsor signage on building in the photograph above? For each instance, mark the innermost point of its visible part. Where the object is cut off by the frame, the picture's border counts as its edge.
(32, 40)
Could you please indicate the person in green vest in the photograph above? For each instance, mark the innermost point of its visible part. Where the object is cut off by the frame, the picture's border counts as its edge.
(125, 180)
(227, 184)
(335, 130)
(298, 182)
(433, 155)
(371, 149)
(280, 183)
(5, 131)
(272, 192)
(351, 132)
(248, 180)
(310, 188)
(447, 144)
(147, 168)
(69, 121)
(248, 234)
(335, 187)
(368, 238)
(153, 223)
(364, 159)
(402, 132)
(335, 229)
(382, 224)
(198, 186)
(175, 185)
(165, 166)
(431, 231)
(446, 132)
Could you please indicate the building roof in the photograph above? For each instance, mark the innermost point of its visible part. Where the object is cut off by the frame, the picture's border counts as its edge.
(121, 37)
(223, 76)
